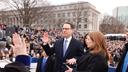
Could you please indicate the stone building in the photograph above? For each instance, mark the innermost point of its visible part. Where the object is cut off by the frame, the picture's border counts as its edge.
(82, 14)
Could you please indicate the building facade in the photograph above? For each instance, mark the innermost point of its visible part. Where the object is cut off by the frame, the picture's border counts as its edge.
(83, 15)
(121, 14)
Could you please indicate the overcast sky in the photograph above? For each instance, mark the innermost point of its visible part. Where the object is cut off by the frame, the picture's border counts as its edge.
(104, 6)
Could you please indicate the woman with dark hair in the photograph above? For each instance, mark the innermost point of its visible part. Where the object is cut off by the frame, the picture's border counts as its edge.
(96, 57)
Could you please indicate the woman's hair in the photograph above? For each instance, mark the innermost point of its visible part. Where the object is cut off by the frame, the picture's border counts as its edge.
(84, 43)
(100, 44)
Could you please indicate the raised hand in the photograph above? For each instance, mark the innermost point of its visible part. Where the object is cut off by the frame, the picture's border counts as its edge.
(19, 47)
(45, 37)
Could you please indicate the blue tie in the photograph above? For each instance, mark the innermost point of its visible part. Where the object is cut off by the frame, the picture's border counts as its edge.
(65, 47)
(43, 64)
(125, 63)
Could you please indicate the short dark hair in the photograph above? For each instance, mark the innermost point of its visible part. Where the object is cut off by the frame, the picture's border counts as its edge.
(45, 30)
(72, 25)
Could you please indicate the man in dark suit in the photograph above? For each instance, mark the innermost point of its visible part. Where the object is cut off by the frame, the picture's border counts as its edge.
(123, 64)
(67, 49)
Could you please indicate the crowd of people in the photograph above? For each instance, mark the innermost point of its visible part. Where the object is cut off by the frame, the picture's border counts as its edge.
(48, 46)
(115, 49)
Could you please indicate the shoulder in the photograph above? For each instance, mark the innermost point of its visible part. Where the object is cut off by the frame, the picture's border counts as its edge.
(60, 40)
(16, 67)
(100, 59)
(126, 47)
(76, 41)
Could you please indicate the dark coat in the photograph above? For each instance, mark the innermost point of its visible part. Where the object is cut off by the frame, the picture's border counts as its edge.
(119, 67)
(21, 64)
(49, 64)
(92, 63)
(75, 50)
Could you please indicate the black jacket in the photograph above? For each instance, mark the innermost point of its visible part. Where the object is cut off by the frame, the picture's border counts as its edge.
(49, 64)
(21, 64)
(119, 67)
(92, 63)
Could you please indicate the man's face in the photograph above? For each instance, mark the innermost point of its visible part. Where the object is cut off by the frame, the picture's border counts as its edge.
(67, 30)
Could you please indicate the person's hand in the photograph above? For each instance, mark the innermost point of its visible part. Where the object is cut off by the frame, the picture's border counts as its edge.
(71, 61)
(69, 69)
(19, 47)
(45, 37)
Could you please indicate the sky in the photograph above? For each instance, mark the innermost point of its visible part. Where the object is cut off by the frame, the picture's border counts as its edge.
(103, 6)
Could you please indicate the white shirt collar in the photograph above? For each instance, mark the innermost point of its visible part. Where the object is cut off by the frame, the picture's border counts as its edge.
(69, 39)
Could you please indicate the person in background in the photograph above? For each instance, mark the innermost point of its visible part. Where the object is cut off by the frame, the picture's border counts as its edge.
(123, 64)
(96, 57)
(45, 63)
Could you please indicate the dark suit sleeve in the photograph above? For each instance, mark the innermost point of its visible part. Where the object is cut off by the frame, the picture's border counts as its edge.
(38, 68)
(49, 51)
(50, 64)
(119, 67)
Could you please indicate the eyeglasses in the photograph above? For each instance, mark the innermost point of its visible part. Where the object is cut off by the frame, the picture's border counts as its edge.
(66, 28)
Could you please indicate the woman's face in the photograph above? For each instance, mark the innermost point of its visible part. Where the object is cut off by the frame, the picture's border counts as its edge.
(89, 42)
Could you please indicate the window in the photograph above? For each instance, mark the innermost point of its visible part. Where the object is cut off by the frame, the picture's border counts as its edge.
(54, 15)
(85, 19)
(85, 26)
(46, 21)
(63, 14)
(79, 26)
(58, 15)
(68, 14)
(79, 19)
(65, 7)
(69, 20)
(85, 13)
(73, 14)
(74, 20)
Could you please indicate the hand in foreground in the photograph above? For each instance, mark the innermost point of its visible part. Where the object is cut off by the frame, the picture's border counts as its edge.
(19, 47)
(71, 61)
(69, 69)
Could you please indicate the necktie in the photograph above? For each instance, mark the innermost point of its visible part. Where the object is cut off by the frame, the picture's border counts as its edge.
(43, 64)
(125, 63)
(65, 46)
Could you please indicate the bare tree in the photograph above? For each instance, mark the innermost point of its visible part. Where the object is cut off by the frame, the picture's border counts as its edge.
(111, 25)
(81, 13)
(29, 11)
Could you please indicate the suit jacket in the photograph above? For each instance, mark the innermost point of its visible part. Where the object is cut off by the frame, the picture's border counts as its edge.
(119, 67)
(49, 65)
(92, 63)
(75, 50)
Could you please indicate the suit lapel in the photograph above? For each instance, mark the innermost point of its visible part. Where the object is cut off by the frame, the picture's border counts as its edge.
(61, 48)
